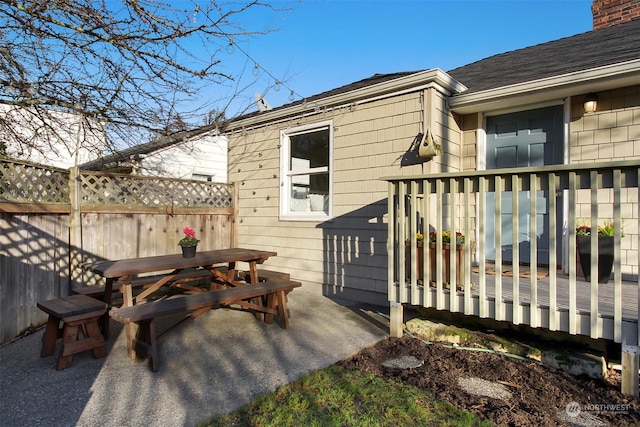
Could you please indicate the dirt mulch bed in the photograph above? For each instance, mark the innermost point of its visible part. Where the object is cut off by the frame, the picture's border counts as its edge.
(530, 394)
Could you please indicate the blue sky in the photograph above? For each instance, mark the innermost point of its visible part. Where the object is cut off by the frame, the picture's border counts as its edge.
(319, 45)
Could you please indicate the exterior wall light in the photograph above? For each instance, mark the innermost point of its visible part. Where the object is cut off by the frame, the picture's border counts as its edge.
(590, 103)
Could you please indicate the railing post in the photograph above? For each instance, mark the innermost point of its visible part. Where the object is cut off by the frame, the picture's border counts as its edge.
(482, 251)
(553, 254)
(396, 319)
(451, 260)
(413, 230)
(466, 268)
(630, 366)
(392, 269)
(564, 303)
(402, 231)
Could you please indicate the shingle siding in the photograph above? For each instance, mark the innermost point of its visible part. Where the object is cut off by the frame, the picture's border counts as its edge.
(347, 253)
(612, 132)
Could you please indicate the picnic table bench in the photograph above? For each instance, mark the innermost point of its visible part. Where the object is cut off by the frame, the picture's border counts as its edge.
(248, 297)
(75, 320)
(119, 274)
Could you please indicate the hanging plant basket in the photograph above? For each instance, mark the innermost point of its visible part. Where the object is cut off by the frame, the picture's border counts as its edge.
(428, 146)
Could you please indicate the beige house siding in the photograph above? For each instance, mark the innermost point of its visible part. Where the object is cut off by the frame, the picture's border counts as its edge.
(612, 132)
(348, 253)
(609, 134)
(469, 130)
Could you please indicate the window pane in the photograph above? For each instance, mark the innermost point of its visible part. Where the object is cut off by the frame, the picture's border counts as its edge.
(319, 183)
(309, 150)
(305, 193)
(310, 193)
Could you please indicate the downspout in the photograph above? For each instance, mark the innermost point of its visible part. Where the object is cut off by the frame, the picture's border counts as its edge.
(427, 122)
(423, 121)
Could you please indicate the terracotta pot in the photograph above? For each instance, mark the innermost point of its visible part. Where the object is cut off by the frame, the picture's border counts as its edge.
(446, 268)
(419, 259)
(446, 263)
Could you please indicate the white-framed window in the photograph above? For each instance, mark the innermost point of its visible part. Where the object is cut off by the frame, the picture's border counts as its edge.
(201, 177)
(306, 184)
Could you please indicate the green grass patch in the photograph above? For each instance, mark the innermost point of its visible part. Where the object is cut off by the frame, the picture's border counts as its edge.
(338, 397)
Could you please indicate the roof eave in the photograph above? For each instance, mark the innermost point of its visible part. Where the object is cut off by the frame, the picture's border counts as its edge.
(413, 81)
(543, 90)
(157, 144)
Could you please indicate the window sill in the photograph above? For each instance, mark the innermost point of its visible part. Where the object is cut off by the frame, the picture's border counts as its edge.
(313, 217)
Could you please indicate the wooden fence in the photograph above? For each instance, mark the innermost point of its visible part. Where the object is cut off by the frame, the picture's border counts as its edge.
(53, 220)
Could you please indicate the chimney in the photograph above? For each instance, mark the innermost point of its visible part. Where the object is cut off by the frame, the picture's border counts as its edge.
(607, 13)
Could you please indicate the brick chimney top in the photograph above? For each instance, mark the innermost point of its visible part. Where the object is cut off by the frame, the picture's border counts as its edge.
(607, 13)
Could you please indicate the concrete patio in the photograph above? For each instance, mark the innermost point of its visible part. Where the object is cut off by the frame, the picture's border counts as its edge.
(229, 361)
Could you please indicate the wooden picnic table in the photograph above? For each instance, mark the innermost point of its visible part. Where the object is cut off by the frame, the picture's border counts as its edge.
(125, 270)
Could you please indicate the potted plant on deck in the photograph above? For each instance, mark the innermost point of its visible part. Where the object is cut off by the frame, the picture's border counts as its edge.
(419, 258)
(448, 240)
(604, 254)
(189, 243)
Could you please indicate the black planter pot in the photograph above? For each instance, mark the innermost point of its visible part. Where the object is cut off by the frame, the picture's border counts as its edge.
(188, 251)
(604, 256)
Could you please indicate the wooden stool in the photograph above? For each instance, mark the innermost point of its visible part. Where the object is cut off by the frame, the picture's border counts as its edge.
(79, 315)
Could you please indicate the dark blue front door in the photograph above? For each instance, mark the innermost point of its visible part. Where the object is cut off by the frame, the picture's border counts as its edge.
(528, 138)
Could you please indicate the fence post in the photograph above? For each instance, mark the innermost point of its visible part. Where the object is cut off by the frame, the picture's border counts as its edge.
(75, 229)
(234, 220)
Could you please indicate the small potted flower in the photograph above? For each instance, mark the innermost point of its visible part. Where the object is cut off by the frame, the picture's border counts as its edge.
(188, 243)
(418, 256)
(605, 249)
(446, 237)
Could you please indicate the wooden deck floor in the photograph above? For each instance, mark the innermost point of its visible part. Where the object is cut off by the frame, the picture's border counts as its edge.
(606, 325)
(583, 294)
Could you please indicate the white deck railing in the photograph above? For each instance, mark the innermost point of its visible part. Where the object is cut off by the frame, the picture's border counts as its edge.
(494, 209)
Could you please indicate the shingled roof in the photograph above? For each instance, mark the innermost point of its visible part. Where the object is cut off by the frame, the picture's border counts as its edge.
(146, 148)
(612, 45)
(369, 81)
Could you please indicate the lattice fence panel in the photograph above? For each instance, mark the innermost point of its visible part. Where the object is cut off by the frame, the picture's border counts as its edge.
(119, 190)
(27, 183)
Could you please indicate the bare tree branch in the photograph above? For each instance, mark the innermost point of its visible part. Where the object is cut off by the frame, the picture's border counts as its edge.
(130, 65)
